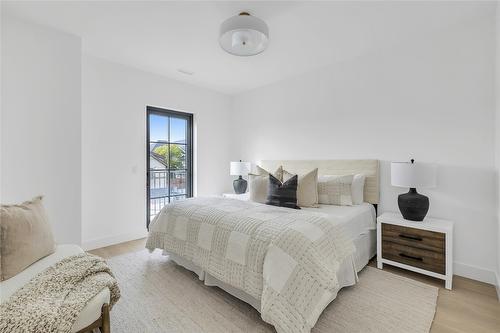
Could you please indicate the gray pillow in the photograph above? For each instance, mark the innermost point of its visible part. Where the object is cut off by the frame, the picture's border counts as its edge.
(283, 194)
(25, 236)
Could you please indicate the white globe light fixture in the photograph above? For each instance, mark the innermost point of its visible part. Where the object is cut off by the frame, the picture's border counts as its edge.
(244, 35)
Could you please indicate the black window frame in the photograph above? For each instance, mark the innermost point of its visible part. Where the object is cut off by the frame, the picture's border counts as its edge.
(151, 110)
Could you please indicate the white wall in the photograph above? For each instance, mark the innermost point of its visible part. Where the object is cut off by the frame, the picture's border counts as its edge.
(431, 99)
(114, 149)
(497, 140)
(75, 131)
(40, 122)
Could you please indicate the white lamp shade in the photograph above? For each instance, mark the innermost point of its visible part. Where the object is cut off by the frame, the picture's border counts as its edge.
(239, 168)
(416, 175)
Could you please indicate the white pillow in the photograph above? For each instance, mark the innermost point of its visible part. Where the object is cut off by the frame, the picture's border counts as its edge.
(335, 190)
(358, 189)
(307, 188)
(259, 183)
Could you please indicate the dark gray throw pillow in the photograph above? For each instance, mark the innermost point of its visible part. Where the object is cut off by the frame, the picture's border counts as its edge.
(282, 194)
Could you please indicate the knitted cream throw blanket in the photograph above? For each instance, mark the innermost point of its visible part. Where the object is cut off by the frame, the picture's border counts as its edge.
(52, 300)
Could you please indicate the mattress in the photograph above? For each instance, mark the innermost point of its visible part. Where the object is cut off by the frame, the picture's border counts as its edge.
(358, 221)
(90, 313)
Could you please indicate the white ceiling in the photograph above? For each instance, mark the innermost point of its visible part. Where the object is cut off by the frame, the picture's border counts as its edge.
(163, 36)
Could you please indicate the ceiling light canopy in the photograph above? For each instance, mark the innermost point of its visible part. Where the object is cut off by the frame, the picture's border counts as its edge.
(244, 35)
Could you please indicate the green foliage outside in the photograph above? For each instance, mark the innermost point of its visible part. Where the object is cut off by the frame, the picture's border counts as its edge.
(177, 155)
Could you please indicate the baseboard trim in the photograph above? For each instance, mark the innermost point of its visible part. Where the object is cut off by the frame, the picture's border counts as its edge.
(475, 273)
(111, 240)
(498, 286)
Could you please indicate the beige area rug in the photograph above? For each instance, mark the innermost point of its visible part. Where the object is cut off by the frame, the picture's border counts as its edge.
(159, 296)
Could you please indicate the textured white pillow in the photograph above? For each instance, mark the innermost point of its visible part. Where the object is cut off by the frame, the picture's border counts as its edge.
(358, 189)
(335, 190)
(259, 183)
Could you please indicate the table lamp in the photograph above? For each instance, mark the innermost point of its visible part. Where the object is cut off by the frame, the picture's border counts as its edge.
(413, 205)
(239, 169)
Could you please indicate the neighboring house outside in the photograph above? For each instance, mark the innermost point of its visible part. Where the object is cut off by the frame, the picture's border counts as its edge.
(157, 162)
(158, 182)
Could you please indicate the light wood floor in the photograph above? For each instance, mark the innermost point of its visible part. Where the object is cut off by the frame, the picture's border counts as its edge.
(469, 308)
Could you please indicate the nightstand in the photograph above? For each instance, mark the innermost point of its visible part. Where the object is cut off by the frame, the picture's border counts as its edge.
(424, 247)
(242, 197)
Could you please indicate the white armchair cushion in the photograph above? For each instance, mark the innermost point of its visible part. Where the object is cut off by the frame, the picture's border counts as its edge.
(92, 310)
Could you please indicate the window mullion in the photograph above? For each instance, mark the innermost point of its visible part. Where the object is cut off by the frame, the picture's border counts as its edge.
(168, 165)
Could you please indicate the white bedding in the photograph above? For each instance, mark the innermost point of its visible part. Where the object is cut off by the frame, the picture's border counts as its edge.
(357, 220)
(360, 225)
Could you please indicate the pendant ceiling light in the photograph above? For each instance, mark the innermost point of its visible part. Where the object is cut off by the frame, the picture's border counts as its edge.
(244, 35)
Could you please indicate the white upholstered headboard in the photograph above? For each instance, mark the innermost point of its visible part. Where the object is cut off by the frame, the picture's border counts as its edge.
(370, 168)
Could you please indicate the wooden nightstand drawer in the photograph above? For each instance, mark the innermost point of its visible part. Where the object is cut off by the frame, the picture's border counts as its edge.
(416, 257)
(423, 247)
(412, 237)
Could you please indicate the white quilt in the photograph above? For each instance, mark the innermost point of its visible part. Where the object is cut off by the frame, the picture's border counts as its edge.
(287, 258)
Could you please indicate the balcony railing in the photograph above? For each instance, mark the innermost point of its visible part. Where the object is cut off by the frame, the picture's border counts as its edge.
(159, 184)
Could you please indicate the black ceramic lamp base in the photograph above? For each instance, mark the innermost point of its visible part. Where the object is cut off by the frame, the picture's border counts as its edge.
(413, 206)
(240, 185)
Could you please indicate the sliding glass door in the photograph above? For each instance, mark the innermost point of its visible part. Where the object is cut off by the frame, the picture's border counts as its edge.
(169, 160)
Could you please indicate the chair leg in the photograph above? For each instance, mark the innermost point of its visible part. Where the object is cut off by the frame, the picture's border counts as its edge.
(106, 327)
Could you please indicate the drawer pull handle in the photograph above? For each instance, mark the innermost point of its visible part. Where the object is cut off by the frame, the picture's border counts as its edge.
(410, 257)
(416, 238)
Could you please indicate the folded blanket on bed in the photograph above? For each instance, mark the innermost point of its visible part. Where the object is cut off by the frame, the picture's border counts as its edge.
(52, 300)
(285, 257)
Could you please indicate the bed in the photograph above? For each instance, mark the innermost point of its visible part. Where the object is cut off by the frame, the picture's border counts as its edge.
(340, 240)
(360, 223)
